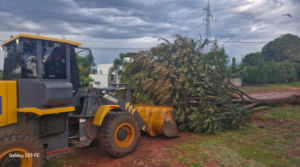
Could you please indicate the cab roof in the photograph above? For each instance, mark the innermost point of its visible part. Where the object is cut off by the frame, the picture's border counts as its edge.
(42, 38)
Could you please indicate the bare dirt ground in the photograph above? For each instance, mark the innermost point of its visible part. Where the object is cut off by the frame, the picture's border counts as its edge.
(150, 152)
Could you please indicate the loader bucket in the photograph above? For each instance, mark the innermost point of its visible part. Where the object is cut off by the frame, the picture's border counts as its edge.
(159, 119)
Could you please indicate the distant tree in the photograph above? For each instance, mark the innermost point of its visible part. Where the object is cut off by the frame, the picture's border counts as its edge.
(286, 47)
(82, 60)
(253, 59)
(289, 71)
(233, 66)
(272, 72)
(119, 63)
(210, 57)
(1, 74)
(83, 63)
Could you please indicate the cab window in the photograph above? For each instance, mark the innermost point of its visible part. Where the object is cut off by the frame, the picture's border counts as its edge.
(54, 60)
(12, 61)
(29, 60)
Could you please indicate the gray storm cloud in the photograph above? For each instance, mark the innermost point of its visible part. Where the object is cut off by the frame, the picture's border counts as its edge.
(132, 21)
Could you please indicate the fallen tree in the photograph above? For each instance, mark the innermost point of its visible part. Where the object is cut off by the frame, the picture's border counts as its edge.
(195, 84)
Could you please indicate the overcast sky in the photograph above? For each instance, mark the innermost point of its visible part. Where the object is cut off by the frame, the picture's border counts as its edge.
(139, 23)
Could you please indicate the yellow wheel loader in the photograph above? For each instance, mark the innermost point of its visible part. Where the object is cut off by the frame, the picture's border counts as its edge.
(44, 111)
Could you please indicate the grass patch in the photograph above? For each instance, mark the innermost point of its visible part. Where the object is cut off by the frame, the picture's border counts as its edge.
(289, 136)
(283, 113)
(276, 87)
(269, 142)
(261, 108)
(256, 89)
(166, 162)
(64, 159)
(169, 149)
(250, 146)
(212, 150)
(294, 84)
(196, 164)
(262, 88)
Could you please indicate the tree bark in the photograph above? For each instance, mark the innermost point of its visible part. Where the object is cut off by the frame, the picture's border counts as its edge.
(292, 100)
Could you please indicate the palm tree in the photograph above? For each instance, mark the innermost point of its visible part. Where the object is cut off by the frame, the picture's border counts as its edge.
(119, 63)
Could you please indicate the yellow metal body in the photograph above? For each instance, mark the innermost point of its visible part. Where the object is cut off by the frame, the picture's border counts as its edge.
(101, 113)
(8, 105)
(131, 109)
(42, 38)
(130, 131)
(159, 120)
(8, 102)
(46, 111)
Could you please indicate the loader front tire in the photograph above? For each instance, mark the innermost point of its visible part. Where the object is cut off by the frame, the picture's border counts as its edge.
(17, 143)
(119, 134)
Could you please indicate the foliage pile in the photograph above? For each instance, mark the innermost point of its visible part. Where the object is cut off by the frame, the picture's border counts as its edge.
(196, 85)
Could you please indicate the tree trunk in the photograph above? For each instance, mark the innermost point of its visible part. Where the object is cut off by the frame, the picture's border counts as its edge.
(251, 102)
(91, 70)
(292, 100)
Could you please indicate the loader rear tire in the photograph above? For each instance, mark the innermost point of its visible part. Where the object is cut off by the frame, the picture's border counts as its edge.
(20, 142)
(119, 134)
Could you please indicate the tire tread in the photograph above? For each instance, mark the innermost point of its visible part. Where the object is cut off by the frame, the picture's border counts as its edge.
(23, 135)
(106, 132)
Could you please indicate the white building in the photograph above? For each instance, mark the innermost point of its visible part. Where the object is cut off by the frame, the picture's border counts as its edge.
(104, 68)
(102, 78)
(236, 81)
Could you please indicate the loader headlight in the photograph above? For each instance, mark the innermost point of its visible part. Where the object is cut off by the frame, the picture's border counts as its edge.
(17, 41)
(2, 48)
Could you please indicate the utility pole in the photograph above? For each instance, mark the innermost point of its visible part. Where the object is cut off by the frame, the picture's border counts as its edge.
(207, 24)
(242, 59)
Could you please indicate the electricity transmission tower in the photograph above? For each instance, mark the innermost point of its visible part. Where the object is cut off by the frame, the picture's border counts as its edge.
(207, 24)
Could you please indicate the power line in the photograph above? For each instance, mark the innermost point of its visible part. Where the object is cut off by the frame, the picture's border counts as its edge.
(191, 19)
(247, 41)
(233, 51)
(193, 28)
(225, 42)
(242, 47)
(252, 50)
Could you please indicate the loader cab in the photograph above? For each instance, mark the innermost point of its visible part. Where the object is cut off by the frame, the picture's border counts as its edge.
(45, 70)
